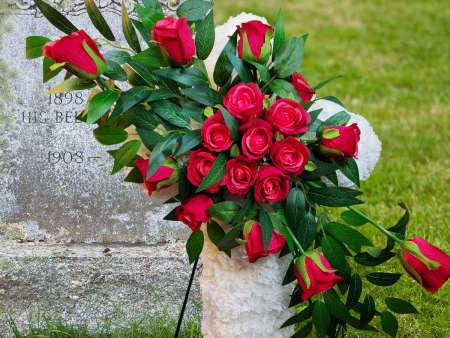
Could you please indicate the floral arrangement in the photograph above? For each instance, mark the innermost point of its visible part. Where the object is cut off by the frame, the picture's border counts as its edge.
(227, 123)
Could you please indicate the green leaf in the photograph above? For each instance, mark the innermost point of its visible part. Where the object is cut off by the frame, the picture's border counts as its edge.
(194, 9)
(184, 186)
(315, 122)
(188, 75)
(172, 215)
(160, 94)
(154, 6)
(301, 316)
(338, 119)
(225, 211)
(204, 95)
(295, 208)
(34, 46)
(347, 235)
(194, 245)
(366, 259)
(194, 110)
(160, 152)
(323, 168)
(147, 73)
(389, 323)
(148, 17)
(151, 57)
(383, 278)
(335, 306)
(149, 138)
(321, 318)
(333, 253)
(47, 72)
(279, 36)
(283, 89)
(125, 154)
(229, 241)
(70, 85)
(98, 20)
(354, 291)
(290, 274)
(224, 67)
(243, 71)
(334, 196)
(400, 227)
(100, 104)
(266, 228)
(333, 178)
(304, 332)
(109, 135)
(289, 57)
(135, 176)
(248, 205)
(400, 306)
(323, 83)
(141, 118)
(189, 140)
(332, 99)
(231, 123)
(216, 233)
(128, 30)
(115, 72)
(349, 168)
(146, 36)
(56, 18)
(263, 71)
(368, 310)
(204, 38)
(353, 219)
(171, 113)
(129, 98)
(307, 231)
(118, 56)
(215, 174)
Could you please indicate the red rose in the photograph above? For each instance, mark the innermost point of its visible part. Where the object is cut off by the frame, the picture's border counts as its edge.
(289, 117)
(290, 156)
(72, 50)
(257, 139)
(165, 176)
(318, 278)
(254, 41)
(272, 185)
(215, 133)
(241, 175)
(200, 162)
(175, 38)
(303, 88)
(341, 141)
(428, 265)
(255, 244)
(244, 101)
(193, 212)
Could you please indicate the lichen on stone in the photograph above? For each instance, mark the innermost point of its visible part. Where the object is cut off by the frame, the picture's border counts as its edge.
(8, 264)
(62, 268)
(29, 261)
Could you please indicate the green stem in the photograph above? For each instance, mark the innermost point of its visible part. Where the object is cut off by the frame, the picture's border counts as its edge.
(295, 240)
(268, 82)
(103, 82)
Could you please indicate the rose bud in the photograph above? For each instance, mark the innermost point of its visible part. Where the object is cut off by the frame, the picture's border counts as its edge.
(289, 117)
(271, 185)
(193, 212)
(200, 162)
(428, 265)
(254, 244)
(174, 40)
(314, 274)
(244, 102)
(290, 156)
(166, 175)
(303, 88)
(340, 141)
(215, 133)
(254, 41)
(241, 174)
(257, 139)
(78, 54)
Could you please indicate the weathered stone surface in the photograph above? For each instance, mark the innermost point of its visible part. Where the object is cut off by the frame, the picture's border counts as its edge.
(84, 283)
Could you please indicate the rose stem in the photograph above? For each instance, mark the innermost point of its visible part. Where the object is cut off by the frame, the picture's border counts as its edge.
(103, 82)
(295, 240)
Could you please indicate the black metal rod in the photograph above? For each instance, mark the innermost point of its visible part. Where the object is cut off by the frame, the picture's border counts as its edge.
(186, 297)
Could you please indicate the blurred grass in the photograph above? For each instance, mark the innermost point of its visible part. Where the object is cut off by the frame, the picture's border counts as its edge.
(395, 56)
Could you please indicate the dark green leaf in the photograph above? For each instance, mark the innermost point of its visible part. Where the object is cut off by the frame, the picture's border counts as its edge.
(148, 17)
(128, 30)
(301, 316)
(224, 67)
(109, 135)
(333, 253)
(358, 309)
(243, 71)
(34, 46)
(215, 174)
(134, 78)
(353, 218)
(307, 231)
(248, 205)
(315, 122)
(263, 71)
(349, 168)
(204, 39)
(383, 278)
(283, 89)
(225, 211)
(334, 196)
(147, 73)
(98, 20)
(354, 291)
(216, 233)
(347, 235)
(160, 94)
(229, 241)
(189, 76)
(151, 57)
(332, 99)
(323, 83)
(160, 152)
(337, 119)
(266, 228)
(70, 85)
(184, 186)
(366, 259)
(125, 154)
(194, 245)
(368, 310)
(335, 306)
(146, 36)
(400, 306)
(172, 216)
(154, 6)
(115, 72)
(401, 225)
(171, 113)
(321, 318)
(333, 178)
(118, 56)
(47, 72)
(289, 57)
(389, 323)
(279, 37)
(189, 140)
(290, 274)
(129, 98)
(304, 331)
(100, 104)
(296, 297)
(194, 110)
(295, 208)
(357, 325)
(204, 95)
(323, 168)
(149, 138)
(231, 123)
(194, 9)
(135, 176)
(56, 18)
(141, 118)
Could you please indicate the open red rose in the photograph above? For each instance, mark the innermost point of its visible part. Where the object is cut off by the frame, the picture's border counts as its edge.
(72, 50)
(244, 102)
(303, 88)
(255, 244)
(241, 174)
(200, 163)
(193, 212)
(257, 139)
(271, 185)
(216, 134)
(290, 156)
(339, 142)
(165, 176)
(175, 38)
(254, 41)
(289, 117)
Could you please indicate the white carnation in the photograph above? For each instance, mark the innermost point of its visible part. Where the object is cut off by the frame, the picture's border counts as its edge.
(369, 146)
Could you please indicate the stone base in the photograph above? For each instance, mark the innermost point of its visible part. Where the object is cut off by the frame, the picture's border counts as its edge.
(82, 282)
